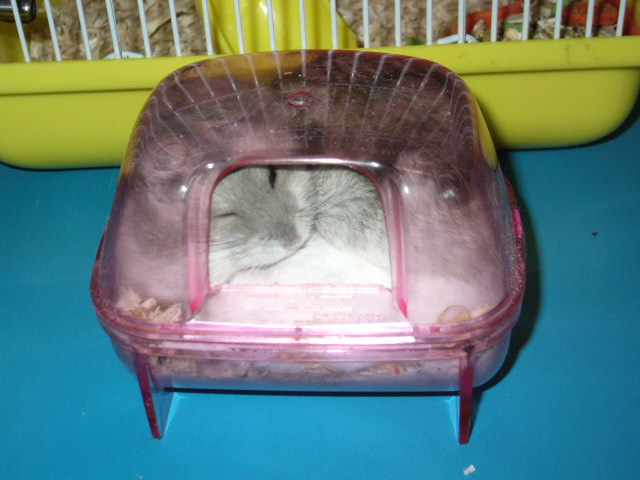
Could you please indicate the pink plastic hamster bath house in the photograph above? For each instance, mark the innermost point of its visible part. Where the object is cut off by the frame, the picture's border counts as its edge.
(455, 241)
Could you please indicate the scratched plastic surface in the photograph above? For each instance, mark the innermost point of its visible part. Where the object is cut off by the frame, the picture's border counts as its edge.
(413, 128)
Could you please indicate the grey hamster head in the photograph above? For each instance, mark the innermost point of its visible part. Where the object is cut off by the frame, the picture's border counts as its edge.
(259, 216)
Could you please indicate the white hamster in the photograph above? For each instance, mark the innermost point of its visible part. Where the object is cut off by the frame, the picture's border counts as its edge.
(311, 224)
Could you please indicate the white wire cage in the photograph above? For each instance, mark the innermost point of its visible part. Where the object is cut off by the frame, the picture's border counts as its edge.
(377, 23)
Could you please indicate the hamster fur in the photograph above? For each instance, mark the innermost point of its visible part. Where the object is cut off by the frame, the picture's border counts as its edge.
(349, 214)
(259, 216)
(297, 225)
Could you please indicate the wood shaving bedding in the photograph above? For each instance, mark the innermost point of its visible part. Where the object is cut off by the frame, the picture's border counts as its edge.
(69, 35)
(191, 29)
(147, 309)
(382, 18)
(381, 21)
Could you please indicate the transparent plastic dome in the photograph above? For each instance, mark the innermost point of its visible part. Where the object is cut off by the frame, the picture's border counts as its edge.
(447, 229)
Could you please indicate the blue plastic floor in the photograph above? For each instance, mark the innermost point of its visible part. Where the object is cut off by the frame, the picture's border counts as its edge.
(566, 405)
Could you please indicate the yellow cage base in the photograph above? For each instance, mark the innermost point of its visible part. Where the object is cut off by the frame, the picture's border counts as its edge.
(539, 93)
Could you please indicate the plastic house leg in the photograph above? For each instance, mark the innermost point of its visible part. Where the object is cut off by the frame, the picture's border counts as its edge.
(466, 397)
(157, 401)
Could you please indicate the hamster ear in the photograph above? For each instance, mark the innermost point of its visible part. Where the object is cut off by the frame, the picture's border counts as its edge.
(273, 173)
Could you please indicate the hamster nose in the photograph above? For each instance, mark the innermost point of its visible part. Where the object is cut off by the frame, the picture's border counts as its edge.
(288, 238)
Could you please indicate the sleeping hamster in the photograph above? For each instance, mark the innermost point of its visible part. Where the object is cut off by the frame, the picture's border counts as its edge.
(297, 225)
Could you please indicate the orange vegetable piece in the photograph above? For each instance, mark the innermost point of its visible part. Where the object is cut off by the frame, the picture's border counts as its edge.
(604, 13)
